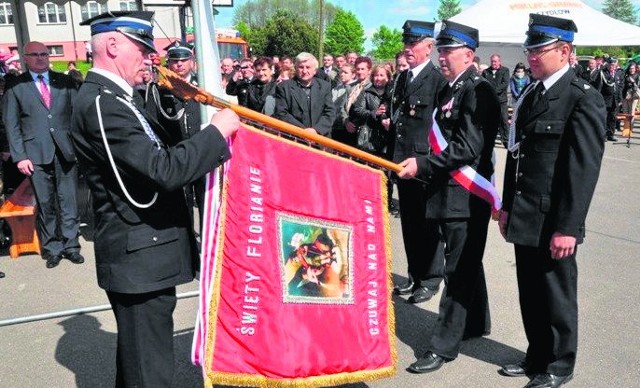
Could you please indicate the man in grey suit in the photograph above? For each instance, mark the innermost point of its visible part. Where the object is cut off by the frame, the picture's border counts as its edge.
(305, 101)
(37, 113)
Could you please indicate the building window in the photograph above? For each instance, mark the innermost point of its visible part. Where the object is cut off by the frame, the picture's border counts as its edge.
(51, 13)
(128, 6)
(92, 9)
(55, 50)
(6, 17)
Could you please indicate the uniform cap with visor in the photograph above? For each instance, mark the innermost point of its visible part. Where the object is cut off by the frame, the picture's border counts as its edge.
(136, 25)
(178, 51)
(544, 30)
(415, 30)
(454, 35)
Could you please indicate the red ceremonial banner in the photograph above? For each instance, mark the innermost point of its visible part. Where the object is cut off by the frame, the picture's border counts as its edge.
(300, 294)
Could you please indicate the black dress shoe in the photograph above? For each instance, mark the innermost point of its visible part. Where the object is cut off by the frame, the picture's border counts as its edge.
(422, 294)
(547, 380)
(404, 288)
(74, 257)
(514, 370)
(428, 363)
(611, 138)
(1, 274)
(53, 261)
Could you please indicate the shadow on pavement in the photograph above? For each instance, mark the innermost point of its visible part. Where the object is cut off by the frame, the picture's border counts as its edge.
(414, 326)
(90, 353)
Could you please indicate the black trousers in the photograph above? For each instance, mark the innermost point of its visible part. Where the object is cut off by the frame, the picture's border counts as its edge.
(426, 266)
(145, 338)
(55, 186)
(464, 306)
(549, 305)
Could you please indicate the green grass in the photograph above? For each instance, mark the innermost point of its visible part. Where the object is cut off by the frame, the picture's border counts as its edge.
(61, 66)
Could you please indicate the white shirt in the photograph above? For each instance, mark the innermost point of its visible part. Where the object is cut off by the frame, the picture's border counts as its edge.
(416, 70)
(116, 79)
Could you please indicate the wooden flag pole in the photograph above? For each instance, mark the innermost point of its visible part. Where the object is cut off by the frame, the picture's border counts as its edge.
(185, 90)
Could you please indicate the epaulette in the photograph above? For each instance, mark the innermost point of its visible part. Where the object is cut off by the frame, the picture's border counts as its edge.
(581, 84)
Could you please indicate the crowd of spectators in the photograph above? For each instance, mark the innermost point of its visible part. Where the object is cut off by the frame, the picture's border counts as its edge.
(347, 96)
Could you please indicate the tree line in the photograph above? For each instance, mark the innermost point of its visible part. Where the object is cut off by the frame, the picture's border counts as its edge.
(288, 27)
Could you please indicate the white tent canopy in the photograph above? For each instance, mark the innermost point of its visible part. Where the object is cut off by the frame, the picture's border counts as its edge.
(506, 21)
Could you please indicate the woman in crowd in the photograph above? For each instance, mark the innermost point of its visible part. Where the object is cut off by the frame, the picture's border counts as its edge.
(363, 74)
(370, 115)
(519, 80)
(630, 91)
(340, 93)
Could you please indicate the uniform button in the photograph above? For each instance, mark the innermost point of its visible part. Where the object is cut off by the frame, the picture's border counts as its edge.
(399, 136)
(154, 239)
(401, 113)
(51, 129)
(399, 124)
(518, 192)
(522, 156)
(548, 128)
(520, 174)
(50, 116)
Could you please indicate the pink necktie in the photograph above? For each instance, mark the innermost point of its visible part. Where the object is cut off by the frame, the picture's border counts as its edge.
(44, 90)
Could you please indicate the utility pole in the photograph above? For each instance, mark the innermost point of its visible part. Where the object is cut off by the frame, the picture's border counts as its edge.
(321, 33)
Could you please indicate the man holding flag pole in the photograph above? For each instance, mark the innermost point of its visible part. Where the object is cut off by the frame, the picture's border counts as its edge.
(457, 172)
(144, 241)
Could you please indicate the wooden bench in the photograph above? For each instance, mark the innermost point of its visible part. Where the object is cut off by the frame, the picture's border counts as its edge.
(20, 212)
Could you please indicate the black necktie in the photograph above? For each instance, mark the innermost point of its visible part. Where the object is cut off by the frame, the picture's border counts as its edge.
(538, 92)
(532, 99)
(409, 78)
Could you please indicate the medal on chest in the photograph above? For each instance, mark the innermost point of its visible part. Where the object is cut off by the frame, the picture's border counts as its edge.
(445, 110)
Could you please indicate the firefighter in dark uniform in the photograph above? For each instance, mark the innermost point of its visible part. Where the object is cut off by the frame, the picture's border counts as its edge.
(144, 240)
(181, 117)
(556, 144)
(411, 110)
(468, 114)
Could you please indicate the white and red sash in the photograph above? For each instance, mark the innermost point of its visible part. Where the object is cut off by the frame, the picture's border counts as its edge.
(466, 176)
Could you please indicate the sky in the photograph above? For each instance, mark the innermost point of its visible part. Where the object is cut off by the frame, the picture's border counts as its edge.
(374, 13)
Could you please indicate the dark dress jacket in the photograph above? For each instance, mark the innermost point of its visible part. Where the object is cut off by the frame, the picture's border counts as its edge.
(261, 96)
(499, 79)
(294, 107)
(139, 250)
(411, 111)
(35, 132)
(469, 126)
(557, 165)
(183, 125)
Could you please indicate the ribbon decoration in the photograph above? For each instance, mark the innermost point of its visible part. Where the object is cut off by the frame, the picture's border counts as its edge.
(466, 176)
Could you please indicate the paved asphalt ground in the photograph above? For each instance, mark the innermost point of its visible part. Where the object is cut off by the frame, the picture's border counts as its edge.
(79, 351)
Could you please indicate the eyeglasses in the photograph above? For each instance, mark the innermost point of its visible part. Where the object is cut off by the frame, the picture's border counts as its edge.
(245, 67)
(42, 55)
(539, 53)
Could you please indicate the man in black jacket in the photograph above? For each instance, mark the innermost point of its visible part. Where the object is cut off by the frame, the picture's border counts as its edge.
(411, 109)
(180, 116)
(261, 91)
(498, 76)
(556, 144)
(305, 101)
(461, 144)
(144, 241)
